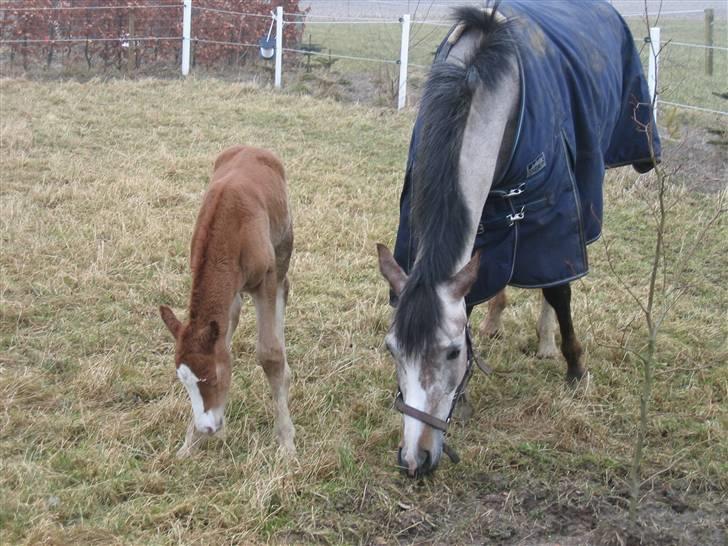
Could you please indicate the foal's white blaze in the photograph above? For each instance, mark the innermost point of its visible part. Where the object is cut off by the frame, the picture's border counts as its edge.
(205, 421)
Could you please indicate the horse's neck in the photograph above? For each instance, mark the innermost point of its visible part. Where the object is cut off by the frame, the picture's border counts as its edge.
(490, 128)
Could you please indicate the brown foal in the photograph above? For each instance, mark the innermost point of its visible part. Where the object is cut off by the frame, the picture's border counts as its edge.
(242, 242)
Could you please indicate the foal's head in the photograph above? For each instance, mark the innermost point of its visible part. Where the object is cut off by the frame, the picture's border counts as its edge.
(203, 366)
(427, 340)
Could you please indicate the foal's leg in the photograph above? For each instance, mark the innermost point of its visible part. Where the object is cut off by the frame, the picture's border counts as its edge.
(270, 301)
(193, 441)
(547, 331)
(492, 325)
(559, 297)
(234, 319)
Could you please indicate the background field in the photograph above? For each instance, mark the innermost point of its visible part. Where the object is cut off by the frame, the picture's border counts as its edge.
(100, 185)
(357, 49)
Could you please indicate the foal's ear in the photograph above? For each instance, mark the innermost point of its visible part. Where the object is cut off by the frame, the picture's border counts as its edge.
(390, 269)
(209, 335)
(463, 280)
(170, 320)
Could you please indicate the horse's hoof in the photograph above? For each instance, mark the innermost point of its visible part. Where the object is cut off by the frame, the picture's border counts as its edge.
(463, 410)
(492, 331)
(547, 352)
(576, 377)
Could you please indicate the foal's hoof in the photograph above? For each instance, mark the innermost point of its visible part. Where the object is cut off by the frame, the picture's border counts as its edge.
(184, 452)
(286, 433)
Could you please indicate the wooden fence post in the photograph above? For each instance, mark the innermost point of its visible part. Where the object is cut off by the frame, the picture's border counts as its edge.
(709, 41)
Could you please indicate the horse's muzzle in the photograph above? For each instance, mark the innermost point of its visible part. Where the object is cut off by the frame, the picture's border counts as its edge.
(422, 466)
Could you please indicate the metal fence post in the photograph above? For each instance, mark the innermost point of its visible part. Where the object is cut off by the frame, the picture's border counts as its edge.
(186, 35)
(654, 66)
(403, 60)
(279, 46)
(709, 16)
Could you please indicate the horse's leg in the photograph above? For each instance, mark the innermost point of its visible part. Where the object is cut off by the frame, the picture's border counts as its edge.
(559, 297)
(270, 301)
(492, 325)
(547, 331)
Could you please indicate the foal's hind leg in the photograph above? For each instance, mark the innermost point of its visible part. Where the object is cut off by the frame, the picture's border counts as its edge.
(559, 297)
(270, 302)
(492, 325)
(547, 331)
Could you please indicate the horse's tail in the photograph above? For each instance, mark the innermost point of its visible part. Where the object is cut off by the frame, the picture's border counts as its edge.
(440, 218)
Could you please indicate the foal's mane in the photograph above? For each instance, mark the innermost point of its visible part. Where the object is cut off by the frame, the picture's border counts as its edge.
(200, 245)
(439, 214)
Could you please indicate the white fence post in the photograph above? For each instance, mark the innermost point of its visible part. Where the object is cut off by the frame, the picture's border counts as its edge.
(186, 35)
(403, 60)
(653, 69)
(279, 46)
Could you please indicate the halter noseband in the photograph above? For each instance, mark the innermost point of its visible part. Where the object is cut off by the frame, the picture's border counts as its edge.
(433, 421)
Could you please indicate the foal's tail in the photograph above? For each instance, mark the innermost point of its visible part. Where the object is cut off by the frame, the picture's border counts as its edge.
(439, 214)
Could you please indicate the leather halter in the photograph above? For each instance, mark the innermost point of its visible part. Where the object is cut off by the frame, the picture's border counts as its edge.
(433, 421)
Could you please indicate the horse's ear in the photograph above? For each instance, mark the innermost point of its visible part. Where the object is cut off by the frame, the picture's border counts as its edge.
(173, 324)
(209, 335)
(390, 269)
(463, 280)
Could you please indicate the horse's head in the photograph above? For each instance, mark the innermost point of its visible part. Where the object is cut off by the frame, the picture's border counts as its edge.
(428, 341)
(203, 367)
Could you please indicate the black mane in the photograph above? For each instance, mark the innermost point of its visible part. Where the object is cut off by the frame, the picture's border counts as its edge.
(439, 217)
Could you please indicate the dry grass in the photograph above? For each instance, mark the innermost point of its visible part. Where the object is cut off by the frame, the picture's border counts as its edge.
(100, 185)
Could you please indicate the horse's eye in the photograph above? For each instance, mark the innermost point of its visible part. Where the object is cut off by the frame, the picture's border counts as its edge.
(453, 354)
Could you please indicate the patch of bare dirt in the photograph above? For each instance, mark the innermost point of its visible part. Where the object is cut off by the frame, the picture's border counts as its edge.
(698, 148)
(565, 515)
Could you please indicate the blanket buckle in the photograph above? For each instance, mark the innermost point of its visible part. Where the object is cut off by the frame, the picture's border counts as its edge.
(513, 218)
(515, 191)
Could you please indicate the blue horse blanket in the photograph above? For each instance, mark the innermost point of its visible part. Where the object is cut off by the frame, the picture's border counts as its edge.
(583, 93)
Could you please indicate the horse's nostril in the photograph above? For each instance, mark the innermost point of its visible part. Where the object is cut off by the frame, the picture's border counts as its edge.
(425, 466)
(400, 461)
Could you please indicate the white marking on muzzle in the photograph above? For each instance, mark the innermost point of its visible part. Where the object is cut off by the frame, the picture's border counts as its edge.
(413, 428)
(205, 421)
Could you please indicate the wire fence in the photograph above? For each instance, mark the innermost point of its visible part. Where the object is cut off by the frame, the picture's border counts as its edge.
(368, 51)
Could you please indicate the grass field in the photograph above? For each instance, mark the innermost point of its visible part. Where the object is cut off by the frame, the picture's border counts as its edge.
(100, 185)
